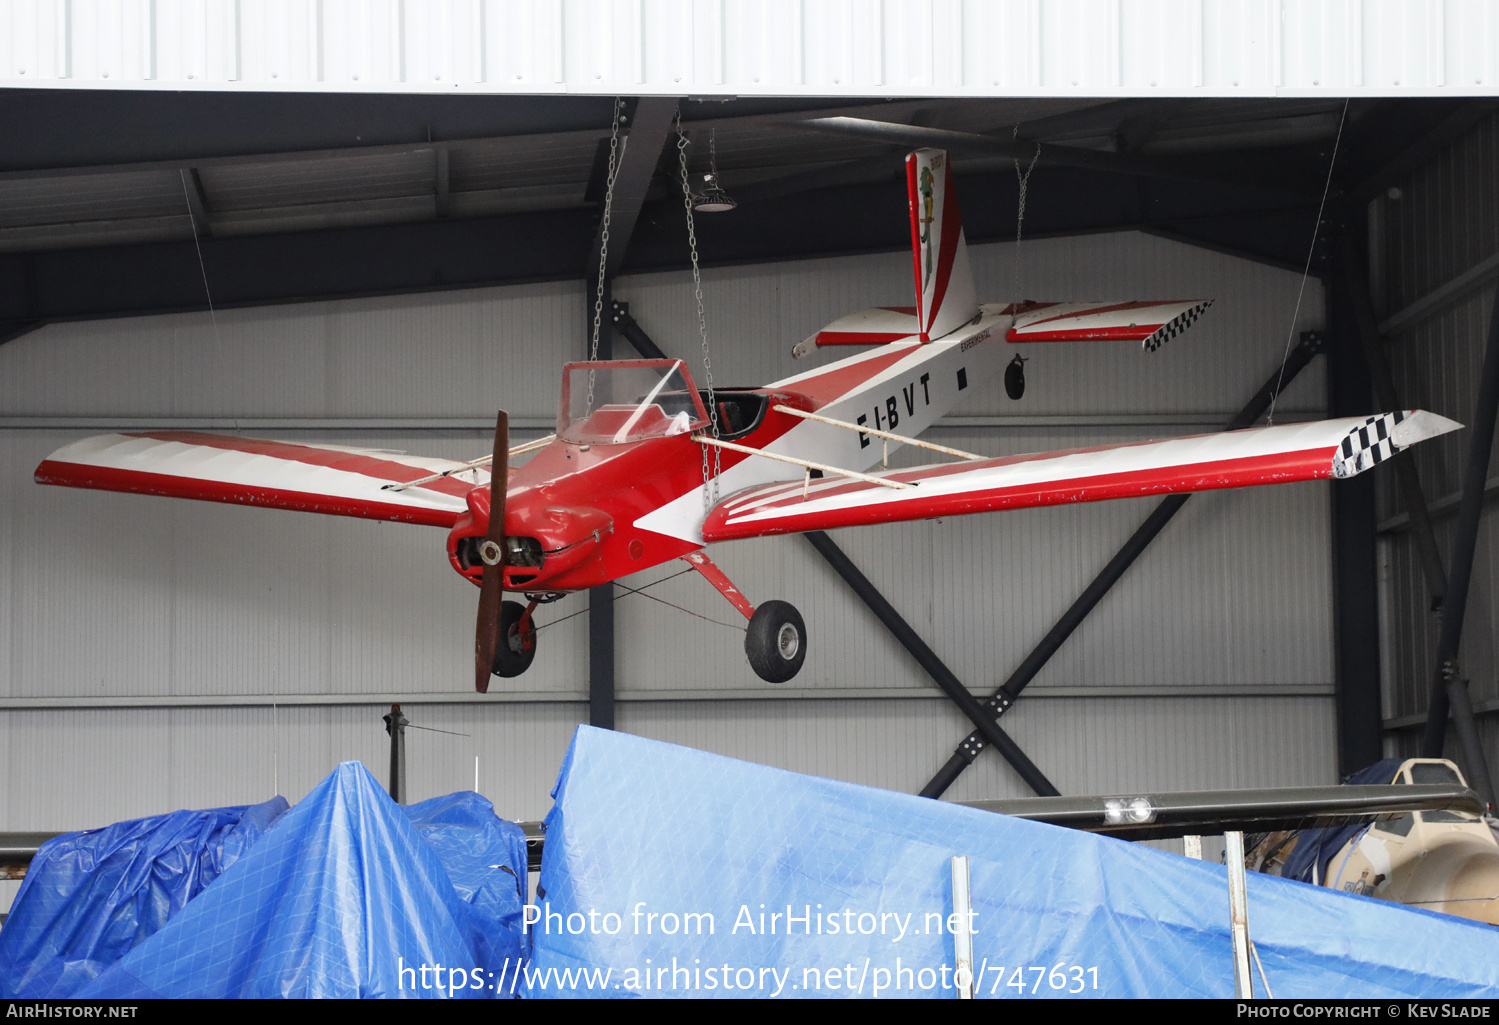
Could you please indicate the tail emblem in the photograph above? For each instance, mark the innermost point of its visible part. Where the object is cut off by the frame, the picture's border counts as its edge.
(926, 224)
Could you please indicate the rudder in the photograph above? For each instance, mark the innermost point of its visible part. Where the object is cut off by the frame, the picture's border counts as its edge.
(945, 295)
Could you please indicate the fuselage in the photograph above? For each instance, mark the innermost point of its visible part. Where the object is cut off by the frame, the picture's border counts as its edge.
(581, 503)
(587, 510)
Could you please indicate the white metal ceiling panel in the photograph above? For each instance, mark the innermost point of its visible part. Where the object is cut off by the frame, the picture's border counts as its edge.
(760, 47)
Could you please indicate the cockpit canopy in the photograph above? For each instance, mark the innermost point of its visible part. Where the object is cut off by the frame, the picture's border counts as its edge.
(627, 400)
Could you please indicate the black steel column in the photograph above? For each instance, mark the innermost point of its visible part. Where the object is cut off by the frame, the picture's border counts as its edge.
(1361, 320)
(601, 598)
(1355, 594)
(1000, 703)
(1480, 447)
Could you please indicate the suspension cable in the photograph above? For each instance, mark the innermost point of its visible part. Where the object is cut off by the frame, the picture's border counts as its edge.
(598, 296)
(710, 476)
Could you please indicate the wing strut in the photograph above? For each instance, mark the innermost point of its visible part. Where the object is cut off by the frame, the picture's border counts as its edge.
(806, 463)
(877, 433)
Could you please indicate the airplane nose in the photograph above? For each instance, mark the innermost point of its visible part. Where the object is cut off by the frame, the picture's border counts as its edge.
(1473, 889)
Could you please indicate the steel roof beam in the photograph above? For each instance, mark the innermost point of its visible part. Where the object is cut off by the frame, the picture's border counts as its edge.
(1056, 155)
(1442, 134)
(640, 152)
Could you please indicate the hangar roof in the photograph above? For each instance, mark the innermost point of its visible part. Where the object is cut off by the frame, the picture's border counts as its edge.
(106, 196)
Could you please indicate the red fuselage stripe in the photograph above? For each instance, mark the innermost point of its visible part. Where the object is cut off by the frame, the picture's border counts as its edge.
(135, 482)
(835, 383)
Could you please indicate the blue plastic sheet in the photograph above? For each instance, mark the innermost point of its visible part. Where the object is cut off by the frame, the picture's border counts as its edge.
(672, 872)
(89, 898)
(344, 898)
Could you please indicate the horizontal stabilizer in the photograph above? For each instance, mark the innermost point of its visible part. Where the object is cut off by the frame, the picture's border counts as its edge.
(1152, 323)
(878, 325)
(330, 479)
(1233, 459)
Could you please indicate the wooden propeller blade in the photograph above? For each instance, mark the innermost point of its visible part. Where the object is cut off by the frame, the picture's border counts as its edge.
(491, 589)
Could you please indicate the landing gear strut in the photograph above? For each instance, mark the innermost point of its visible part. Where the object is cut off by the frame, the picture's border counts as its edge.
(776, 644)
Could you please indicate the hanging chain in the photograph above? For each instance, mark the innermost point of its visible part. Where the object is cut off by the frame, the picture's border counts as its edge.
(713, 154)
(710, 475)
(1024, 180)
(598, 297)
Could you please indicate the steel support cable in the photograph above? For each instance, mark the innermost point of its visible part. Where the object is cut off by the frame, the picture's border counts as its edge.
(1003, 698)
(1447, 678)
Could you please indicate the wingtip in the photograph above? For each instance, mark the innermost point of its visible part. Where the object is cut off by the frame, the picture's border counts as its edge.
(1420, 425)
(1379, 437)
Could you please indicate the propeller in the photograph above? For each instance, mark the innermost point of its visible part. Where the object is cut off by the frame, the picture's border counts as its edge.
(492, 552)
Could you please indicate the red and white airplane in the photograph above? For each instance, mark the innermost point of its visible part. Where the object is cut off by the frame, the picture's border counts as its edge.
(645, 467)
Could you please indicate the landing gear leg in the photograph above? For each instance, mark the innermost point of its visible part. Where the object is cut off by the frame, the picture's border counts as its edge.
(776, 643)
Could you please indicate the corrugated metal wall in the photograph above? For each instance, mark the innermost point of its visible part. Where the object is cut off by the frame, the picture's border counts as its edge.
(256, 646)
(1438, 266)
(759, 47)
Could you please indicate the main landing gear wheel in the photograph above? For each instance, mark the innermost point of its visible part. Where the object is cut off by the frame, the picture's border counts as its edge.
(513, 655)
(777, 641)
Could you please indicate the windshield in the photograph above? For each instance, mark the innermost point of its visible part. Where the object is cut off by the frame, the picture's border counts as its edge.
(627, 400)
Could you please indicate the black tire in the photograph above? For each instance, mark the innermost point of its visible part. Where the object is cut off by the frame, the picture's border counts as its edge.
(513, 655)
(777, 641)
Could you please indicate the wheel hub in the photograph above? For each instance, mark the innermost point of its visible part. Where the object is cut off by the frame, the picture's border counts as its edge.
(788, 641)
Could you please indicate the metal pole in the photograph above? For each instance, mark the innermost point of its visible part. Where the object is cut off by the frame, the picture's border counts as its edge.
(968, 750)
(984, 719)
(395, 725)
(1467, 736)
(1238, 904)
(1481, 443)
(961, 926)
(601, 656)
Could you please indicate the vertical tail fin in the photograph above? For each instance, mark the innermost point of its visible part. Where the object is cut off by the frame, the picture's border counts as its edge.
(945, 297)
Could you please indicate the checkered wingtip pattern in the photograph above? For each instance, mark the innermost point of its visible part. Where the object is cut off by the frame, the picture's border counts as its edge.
(1173, 327)
(1368, 445)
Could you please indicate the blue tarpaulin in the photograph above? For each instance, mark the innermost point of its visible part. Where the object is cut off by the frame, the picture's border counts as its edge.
(347, 894)
(89, 898)
(672, 872)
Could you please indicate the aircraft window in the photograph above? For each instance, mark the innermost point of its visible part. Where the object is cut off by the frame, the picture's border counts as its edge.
(1433, 772)
(739, 413)
(1445, 816)
(611, 403)
(1399, 827)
